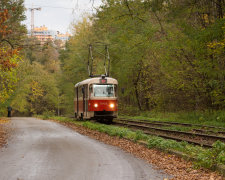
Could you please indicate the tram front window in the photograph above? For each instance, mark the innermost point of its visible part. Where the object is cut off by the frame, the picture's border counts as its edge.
(103, 90)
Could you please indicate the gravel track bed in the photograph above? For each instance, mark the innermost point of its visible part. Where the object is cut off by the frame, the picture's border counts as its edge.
(176, 166)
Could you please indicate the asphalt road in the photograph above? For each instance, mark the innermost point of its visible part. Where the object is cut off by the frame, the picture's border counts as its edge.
(39, 150)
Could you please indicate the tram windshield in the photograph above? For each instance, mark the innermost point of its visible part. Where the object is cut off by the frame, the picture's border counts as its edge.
(103, 90)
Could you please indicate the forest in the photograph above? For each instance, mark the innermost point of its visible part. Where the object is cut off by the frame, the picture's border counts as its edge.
(167, 55)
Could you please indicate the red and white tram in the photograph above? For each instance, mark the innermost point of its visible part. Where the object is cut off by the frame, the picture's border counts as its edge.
(96, 98)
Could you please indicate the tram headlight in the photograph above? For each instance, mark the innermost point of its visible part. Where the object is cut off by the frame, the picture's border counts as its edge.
(112, 105)
(96, 105)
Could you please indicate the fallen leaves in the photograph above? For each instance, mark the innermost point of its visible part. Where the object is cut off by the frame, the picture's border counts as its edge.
(3, 131)
(4, 121)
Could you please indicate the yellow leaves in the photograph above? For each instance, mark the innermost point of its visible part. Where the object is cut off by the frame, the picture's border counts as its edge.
(37, 91)
(206, 18)
(217, 47)
(3, 96)
(8, 81)
(216, 44)
(4, 121)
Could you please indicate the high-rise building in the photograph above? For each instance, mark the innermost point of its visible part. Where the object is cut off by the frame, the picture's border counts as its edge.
(43, 35)
(62, 37)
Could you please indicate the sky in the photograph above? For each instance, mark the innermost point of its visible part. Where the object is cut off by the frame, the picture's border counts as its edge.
(58, 15)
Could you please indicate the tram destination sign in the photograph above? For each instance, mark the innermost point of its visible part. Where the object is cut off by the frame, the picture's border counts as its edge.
(103, 81)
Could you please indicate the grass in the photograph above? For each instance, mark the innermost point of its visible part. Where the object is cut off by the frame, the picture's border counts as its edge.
(216, 118)
(177, 128)
(205, 157)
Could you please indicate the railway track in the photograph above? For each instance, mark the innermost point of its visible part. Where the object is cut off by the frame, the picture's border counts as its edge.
(152, 128)
(166, 123)
(204, 129)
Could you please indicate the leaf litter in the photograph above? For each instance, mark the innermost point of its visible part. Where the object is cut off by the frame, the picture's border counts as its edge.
(4, 131)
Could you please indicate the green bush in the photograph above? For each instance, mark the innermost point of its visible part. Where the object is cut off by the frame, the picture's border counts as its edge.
(139, 135)
(213, 156)
(166, 144)
(205, 116)
(48, 114)
(128, 110)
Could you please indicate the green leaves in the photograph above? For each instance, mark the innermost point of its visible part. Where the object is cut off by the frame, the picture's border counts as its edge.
(168, 55)
(36, 91)
(211, 157)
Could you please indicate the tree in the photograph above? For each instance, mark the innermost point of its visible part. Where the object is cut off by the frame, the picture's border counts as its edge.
(11, 30)
(37, 90)
(171, 52)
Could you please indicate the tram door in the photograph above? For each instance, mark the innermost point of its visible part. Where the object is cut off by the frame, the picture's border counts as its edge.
(85, 100)
(76, 102)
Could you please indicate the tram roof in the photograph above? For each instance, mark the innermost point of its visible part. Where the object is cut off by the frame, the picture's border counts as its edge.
(96, 80)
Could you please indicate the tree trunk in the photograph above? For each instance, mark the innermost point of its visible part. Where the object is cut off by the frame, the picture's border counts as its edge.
(137, 96)
(136, 89)
(147, 104)
(219, 9)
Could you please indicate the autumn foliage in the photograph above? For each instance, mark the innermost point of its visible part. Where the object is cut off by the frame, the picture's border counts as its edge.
(6, 48)
(9, 56)
(3, 27)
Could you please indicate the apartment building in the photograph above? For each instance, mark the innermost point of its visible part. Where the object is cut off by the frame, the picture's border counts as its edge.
(43, 35)
(63, 38)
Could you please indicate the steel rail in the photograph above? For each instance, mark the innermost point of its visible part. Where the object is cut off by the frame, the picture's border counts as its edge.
(169, 134)
(158, 123)
(205, 144)
(175, 132)
(209, 131)
(204, 131)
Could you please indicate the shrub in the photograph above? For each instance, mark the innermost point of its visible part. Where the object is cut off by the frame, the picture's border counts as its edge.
(211, 157)
(138, 136)
(48, 114)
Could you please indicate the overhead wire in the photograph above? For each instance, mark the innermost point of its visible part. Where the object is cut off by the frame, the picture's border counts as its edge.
(59, 7)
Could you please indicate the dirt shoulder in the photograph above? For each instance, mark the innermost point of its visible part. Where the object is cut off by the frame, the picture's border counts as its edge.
(4, 131)
(176, 166)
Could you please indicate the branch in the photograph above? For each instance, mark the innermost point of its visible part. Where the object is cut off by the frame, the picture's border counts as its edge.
(140, 18)
(131, 13)
(118, 17)
(8, 43)
(159, 21)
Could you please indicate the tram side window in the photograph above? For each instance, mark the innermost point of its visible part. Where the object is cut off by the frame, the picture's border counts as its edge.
(86, 90)
(80, 91)
(90, 90)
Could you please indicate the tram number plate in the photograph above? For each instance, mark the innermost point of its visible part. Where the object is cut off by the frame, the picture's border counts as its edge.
(103, 81)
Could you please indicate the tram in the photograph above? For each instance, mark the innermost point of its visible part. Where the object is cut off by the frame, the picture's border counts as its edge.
(96, 98)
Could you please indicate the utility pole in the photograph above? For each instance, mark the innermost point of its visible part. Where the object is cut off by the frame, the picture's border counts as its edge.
(32, 19)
